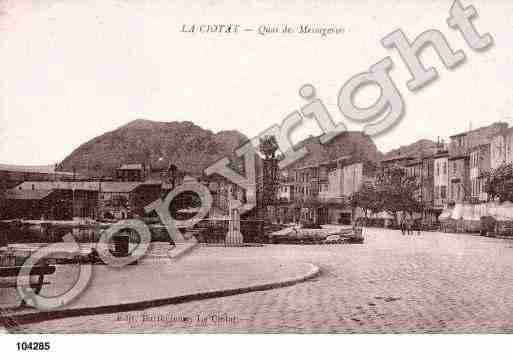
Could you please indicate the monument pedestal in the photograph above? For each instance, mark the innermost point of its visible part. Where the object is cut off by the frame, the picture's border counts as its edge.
(234, 236)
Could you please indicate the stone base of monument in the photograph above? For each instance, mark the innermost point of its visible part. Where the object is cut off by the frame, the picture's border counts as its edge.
(181, 249)
(165, 251)
(234, 239)
(234, 236)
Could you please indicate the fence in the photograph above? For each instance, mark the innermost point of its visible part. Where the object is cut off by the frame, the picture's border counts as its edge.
(8, 258)
(207, 231)
(214, 230)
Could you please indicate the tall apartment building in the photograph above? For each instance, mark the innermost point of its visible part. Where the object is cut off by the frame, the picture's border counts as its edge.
(422, 169)
(463, 143)
(286, 186)
(320, 190)
(480, 163)
(501, 148)
(459, 179)
(343, 180)
(441, 179)
(460, 148)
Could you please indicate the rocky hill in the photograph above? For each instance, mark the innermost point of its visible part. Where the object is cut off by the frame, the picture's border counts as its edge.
(191, 148)
(424, 147)
(354, 145)
(184, 144)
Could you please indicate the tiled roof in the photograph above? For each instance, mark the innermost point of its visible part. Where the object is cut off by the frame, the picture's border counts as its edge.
(51, 185)
(108, 186)
(441, 154)
(505, 124)
(32, 169)
(398, 158)
(22, 194)
(119, 186)
(413, 162)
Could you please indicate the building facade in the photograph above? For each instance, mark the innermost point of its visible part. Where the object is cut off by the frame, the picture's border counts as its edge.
(101, 200)
(463, 186)
(480, 164)
(319, 192)
(131, 173)
(501, 148)
(463, 143)
(441, 180)
(11, 175)
(459, 179)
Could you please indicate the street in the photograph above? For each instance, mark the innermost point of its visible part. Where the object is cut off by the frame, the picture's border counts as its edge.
(428, 283)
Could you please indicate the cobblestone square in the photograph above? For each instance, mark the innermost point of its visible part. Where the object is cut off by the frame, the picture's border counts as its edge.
(428, 283)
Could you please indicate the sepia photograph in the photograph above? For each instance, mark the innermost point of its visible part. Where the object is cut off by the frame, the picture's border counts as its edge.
(255, 167)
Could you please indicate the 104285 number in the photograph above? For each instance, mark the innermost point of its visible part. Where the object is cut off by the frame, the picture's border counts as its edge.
(23, 346)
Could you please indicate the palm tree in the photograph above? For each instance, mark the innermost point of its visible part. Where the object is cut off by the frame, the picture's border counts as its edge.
(172, 172)
(268, 147)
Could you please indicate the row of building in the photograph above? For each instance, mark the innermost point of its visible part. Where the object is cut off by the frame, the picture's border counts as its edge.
(457, 172)
(446, 174)
(39, 196)
(315, 190)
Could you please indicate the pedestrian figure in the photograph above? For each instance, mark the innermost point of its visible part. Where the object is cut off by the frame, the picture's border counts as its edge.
(403, 226)
(408, 226)
(416, 226)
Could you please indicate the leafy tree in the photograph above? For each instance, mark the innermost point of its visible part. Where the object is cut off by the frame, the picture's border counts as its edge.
(368, 199)
(268, 147)
(398, 191)
(499, 184)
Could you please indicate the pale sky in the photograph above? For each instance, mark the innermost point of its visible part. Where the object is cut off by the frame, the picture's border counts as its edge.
(74, 69)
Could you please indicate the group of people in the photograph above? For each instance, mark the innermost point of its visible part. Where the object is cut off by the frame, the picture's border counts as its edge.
(409, 226)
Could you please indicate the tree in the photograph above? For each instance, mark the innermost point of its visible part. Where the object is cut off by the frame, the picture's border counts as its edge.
(367, 198)
(499, 183)
(268, 147)
(399, 192)
(270, 179)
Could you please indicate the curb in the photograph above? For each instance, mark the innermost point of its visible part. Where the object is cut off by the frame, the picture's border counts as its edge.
(182, 252)
(243, 245)
(28, 318)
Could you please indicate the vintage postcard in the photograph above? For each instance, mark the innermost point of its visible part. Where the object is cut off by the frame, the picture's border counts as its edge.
(256, 167)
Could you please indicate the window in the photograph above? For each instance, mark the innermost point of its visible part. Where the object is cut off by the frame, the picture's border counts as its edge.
(443, 191)
(454, 167)
(444, 168)
(438, 169)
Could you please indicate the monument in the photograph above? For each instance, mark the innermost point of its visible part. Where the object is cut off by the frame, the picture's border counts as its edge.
(234, 236)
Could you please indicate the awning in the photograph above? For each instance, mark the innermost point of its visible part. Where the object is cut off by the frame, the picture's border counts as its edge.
(472, 212)
(189, 210)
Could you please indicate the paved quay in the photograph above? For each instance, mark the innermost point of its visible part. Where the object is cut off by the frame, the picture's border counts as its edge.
(432, 283)
(159, 279)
